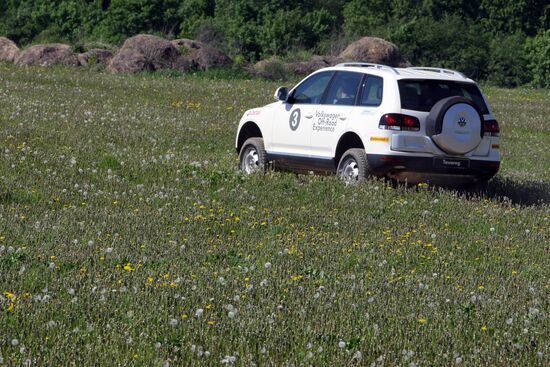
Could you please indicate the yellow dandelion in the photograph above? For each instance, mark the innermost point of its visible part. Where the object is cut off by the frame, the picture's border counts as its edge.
(422, 321)
(484, 328)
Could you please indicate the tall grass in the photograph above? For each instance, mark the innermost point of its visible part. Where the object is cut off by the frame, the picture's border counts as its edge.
(128, 237)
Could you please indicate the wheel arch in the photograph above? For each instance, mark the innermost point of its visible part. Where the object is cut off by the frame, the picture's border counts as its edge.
(347, 141)
(249, 130)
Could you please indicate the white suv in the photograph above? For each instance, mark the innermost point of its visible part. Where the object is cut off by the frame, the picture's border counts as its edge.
(412, 124)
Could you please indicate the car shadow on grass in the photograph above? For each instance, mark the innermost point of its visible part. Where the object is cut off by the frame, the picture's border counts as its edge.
(523, 193)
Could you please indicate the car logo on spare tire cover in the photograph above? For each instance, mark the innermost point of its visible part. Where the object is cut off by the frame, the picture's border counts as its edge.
(294, 119)
(461, 121)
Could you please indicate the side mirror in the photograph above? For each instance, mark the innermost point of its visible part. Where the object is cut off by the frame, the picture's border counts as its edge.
(281, 94)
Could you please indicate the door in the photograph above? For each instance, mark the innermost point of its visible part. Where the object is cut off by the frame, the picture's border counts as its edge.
(333, 115)
(293, 120)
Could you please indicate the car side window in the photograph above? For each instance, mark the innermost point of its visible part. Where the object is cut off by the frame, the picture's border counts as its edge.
(311, 90)
(372, 91)
(343, 89)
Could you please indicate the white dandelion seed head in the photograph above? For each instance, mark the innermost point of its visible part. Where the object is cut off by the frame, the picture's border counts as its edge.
(267, 265)
(173, 322)
(14, 342)
(199, 312)
(109, 250)
(341, 344)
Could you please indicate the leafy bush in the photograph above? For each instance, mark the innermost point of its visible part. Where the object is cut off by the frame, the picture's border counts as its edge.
(453, 42)
(507, 61)
(538, 58)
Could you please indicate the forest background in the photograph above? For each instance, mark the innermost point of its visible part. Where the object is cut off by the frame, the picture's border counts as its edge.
(505, 42)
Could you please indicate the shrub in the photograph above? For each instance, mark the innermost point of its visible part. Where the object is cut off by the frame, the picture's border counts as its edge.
(507, 61)
(538, 57)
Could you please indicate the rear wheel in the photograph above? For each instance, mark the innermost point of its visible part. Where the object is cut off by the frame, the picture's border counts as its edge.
(253, 157)
(353, 165)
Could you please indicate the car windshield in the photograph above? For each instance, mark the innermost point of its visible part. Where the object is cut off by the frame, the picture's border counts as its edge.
(421, 95)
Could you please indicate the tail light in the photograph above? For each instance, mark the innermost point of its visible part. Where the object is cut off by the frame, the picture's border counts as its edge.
(396, 121)
(491, 128)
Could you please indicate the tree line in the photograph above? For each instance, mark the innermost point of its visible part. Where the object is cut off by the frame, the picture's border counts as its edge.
(506, 42)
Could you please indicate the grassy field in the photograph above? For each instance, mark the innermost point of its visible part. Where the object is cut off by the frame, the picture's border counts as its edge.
(128, 237)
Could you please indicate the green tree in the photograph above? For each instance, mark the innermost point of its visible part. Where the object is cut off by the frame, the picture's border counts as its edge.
(538, 58)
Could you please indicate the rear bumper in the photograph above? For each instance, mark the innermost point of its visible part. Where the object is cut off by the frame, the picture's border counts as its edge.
(388, 165)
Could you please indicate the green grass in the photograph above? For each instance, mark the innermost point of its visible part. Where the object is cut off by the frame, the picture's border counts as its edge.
(123, 215)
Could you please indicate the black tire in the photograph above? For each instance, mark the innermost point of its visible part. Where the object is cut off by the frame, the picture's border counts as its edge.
(252, 157)
(353, 166)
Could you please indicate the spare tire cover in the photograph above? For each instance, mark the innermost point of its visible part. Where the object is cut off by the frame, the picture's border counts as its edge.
(454, 124)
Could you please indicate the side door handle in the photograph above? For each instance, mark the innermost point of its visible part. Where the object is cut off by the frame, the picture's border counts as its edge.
(343, 118)
(309, 116)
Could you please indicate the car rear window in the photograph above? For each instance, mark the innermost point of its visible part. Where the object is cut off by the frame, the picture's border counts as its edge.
(421, 95)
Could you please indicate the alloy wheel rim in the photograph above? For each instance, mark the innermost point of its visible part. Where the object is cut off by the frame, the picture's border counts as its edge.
(350, 170)
(251, 161)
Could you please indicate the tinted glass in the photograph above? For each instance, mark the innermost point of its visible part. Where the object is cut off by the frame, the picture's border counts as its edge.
(311, 90)
(421, 95)
(372, 91)
(343, 89)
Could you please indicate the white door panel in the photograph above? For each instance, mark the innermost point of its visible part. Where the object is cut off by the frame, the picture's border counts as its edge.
(292, 126)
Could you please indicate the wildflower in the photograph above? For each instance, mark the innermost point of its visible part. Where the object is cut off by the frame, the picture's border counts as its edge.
(15, 342)
(341, 344)
(422, 321)
(11, 307)
(211, 322)
(173, 322)
(484, 328)
(199, 312)
(267, 265)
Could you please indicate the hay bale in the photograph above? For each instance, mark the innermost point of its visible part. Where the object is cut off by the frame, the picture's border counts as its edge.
(49, 54)
(273, 69)
(309, 66)
(95, 56)
(8, 50)
(200, 55)
(375, 50)
(129, 61)
(144, 52)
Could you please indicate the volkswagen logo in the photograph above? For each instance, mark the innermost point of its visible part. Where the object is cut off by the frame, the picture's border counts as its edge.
(461, 121)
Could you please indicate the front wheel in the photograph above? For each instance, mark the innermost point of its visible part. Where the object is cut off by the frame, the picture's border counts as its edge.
(353, 166)
(253, 157)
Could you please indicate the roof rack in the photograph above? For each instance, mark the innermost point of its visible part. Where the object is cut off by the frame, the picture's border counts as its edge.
(438, 70)
(368, 65)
